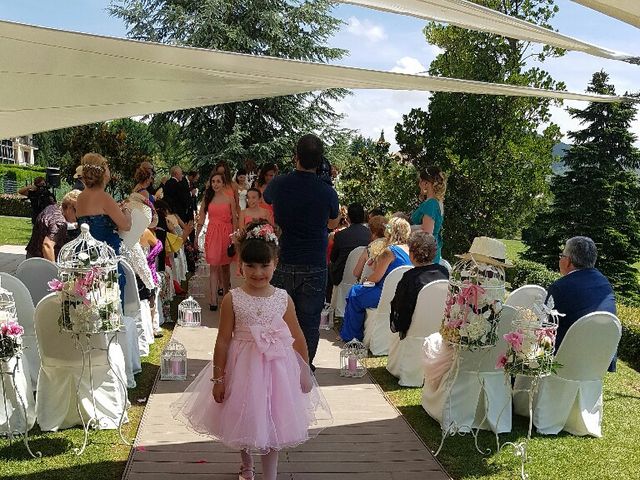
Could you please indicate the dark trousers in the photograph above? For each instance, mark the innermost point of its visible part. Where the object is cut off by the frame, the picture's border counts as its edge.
(306, 285)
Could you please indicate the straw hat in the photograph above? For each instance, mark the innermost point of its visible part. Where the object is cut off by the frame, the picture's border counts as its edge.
(487, 250)
(78, 173)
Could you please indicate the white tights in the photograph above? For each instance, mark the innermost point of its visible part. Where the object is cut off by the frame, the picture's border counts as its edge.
(269, 464)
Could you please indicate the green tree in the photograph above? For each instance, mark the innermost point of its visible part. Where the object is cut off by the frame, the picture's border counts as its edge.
(599, 196)
(265, 130)
(489, 146)
(370, 175)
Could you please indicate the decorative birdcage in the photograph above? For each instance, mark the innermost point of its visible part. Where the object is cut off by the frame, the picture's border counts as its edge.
(202, 269)
(326, 317)
(531, 343)
(474, 301)
(10, 331)
(88, 286)
(198, 286)
(174, 362)
(351, 359)
(189, 313)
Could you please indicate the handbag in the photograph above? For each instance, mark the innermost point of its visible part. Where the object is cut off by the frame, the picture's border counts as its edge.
(173, 243)
(231, 250)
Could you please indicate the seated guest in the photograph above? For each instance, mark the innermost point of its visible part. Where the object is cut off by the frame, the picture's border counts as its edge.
(357, 234)
(582, 288)
(422, 251)
(377, 225)
(50, 229)
(361, 297)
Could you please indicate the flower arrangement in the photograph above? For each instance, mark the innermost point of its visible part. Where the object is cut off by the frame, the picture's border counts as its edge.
(530, 345)
(10, 337)
(473, 305)
(263, 232)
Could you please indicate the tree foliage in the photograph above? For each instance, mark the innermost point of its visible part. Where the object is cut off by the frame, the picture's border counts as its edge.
(490, 146)
(599, 196)
(265, 130)
(370, 175)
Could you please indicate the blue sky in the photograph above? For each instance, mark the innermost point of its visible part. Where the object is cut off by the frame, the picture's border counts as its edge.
(385, 41)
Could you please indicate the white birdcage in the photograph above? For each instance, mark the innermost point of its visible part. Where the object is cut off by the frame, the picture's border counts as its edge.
(351, 357)
(174, 362)
(202, 268)
(474, 301)
(326, 317)
(198, 286)
(88, 285)
(189, 313)
(10, 331)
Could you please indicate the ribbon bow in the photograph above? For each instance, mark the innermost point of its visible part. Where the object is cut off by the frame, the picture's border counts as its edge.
(270, 341)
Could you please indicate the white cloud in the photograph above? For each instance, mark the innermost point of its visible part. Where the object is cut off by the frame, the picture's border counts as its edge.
(367, 29)
(408, 65)
(434, 50)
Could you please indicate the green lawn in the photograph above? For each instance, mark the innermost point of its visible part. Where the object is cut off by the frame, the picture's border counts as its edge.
(15, 230)
(105, 456)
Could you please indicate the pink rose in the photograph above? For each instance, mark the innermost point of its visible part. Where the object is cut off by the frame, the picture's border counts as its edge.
(3, 328)
(515, 340)
(502, 361)
(456, 323)
(14, 329)
(55, 285)
(79, 288)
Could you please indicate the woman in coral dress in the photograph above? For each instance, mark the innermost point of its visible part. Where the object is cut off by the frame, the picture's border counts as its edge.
(223, 221)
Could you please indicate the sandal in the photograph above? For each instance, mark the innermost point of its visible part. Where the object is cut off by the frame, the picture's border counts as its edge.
(245, 470)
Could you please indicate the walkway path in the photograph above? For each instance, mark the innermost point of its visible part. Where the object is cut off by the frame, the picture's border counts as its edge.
(368, 441)
(10, 257)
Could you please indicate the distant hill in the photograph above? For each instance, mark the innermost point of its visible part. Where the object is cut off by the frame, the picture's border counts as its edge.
(559, 150)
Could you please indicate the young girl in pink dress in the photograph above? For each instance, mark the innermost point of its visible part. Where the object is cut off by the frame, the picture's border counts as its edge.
(223, 221)
(264, 396)
(254, 211)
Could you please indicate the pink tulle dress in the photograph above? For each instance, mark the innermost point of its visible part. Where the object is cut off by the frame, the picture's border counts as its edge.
(218, 232)
(265, 406)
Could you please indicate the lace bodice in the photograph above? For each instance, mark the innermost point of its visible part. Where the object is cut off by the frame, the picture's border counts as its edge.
(253, 311)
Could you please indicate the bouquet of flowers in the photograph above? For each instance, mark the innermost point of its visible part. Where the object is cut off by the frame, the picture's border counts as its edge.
(10, 338)
(530, 345)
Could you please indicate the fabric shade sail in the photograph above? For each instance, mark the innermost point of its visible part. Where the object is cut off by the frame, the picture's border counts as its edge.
(52, 79)
(626, 10)
(466, 14)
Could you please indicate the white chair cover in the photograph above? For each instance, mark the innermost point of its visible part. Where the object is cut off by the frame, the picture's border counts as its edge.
(340, 292)
(445, 264)
(377, 330)
(405, 356)
(61, 370)
(459, 399)
(20, 384)
(128, 340)
(133, 308)
(24, 309)
(526, 296)
(35, 273)
(572, 399)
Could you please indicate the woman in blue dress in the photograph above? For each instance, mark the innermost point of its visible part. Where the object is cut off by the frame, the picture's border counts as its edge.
(99, 210)
(430, 214)
(394, 253)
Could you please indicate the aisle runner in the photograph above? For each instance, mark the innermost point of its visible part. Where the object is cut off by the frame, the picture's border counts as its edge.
(369, 440)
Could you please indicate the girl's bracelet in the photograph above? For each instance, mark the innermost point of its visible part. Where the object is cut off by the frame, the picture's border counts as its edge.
(217, 380)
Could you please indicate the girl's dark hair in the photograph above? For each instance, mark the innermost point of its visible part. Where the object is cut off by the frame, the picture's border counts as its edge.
(209, 193)
(241, 171)
(162, 208)
(226, 177)
(267, 167)
(252, 189)
(256, 250)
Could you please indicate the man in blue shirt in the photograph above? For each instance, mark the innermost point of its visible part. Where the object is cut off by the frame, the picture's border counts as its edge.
(304, 207)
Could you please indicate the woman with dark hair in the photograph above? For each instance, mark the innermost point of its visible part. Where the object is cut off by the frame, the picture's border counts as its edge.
(430, 214)
(267, 172)
(254, 212)
(230, 187)
(223, 221)
(144, 177)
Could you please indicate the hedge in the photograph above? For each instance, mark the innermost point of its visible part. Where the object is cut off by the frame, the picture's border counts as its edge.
(14, 205)
(526, 272)
(22, 175)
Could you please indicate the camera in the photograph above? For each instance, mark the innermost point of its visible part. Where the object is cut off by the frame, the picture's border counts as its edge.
(324, 171)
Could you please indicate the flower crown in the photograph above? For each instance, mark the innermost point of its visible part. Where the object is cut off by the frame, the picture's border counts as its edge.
(263, 232)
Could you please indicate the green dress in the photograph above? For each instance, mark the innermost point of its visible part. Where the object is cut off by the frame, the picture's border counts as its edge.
(431, 207)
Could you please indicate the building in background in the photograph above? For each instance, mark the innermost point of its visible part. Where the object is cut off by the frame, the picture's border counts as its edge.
(18, 150)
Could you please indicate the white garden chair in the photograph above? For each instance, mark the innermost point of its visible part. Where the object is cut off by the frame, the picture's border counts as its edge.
(460, 398)
(18, 400)
(526, 296)
(445, 264)
(25, 310)
(572, 399)
(61, 370)
(35, 273)
(377, 330)
(340, 292)
(405, 356)
(137, 309)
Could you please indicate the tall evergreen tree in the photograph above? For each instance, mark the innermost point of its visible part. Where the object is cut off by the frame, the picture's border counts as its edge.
(263, 129)
(599, 196)
(490, 146)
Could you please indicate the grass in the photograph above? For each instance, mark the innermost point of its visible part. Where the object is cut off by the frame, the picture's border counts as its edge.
(15, 230)
(105, 456)
(614, 456)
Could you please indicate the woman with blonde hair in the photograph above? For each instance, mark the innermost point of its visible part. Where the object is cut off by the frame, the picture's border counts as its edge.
(430, 214)
(367, 295)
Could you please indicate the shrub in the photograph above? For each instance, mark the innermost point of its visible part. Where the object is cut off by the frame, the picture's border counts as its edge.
(526, 272)
(629, 347)
(14, 205)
